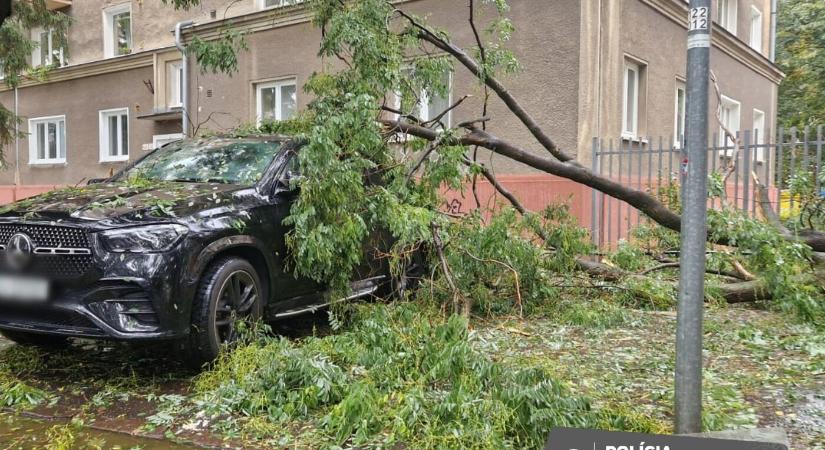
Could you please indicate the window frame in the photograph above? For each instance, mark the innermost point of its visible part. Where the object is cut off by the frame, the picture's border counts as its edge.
(757, 27)
(34, 160)
(631, 66)
(724, 140)
(109, 46)
(174, 86)
(758, 138)
(679, 113)
(37, 51)
(730, 14)
(424, 102)
(103, 128)
(261, 4)
(165, 137)
(279, 85)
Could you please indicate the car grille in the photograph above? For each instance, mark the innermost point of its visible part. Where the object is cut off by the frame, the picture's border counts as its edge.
(52, 236)
(61, 252)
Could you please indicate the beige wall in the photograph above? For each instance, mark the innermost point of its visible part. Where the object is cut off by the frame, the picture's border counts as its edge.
(571, 80)
(636, 30)
(152, 23)
(80, 100)
(546, 43)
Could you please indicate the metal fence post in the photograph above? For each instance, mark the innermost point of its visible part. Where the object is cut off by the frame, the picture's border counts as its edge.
(746, 171)
(594, 221)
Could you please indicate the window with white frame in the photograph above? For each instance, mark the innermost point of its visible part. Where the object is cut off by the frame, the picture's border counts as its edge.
(759, 133)
(632, 98)
(46, 51)
(159, 140)
(730, 113)
(429, 105)
(679, 116)
(756, 28)
(265, 4)
(277, 100)
(47, 140)
(114, 135)
(117, 30)
(726, 14)
(174, 84)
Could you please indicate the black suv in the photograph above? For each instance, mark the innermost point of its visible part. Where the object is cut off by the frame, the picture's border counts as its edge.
(177, 246)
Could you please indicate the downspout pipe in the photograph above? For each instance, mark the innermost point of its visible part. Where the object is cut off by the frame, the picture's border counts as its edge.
(184, 84)
(774, 18)
(16, 139)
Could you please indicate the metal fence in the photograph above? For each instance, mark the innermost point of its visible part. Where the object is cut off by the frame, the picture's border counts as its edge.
(655, 164)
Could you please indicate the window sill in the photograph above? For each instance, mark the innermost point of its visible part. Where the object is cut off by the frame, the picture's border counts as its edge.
(114, 160)
(48, 164)
(633, 138)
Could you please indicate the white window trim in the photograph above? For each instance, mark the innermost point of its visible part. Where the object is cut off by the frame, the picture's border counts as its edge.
(178, 82)
(680, 86)
(627, 133)
(35, 36)
(33, 159)
(103, 128)
(760, 151)
(732, 15)
(164, 137)
(261, 4)
(278, 84)
(756, 41)
(108, 27)
(724, 141)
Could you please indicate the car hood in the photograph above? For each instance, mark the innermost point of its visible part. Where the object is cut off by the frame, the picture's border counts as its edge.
(115, 203)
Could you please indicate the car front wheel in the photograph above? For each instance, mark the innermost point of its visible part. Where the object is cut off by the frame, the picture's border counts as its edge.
(229, 292)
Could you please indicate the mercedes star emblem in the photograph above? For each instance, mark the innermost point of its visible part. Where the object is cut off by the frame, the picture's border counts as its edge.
(19, 251)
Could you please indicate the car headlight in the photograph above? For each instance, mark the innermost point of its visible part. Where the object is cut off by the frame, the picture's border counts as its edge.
(145, 239)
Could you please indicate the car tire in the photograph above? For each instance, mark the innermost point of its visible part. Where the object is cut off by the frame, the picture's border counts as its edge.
(220, 301)
(399, 286)
(46, 341)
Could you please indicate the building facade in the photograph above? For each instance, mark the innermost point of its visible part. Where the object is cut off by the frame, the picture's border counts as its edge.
(608, 68)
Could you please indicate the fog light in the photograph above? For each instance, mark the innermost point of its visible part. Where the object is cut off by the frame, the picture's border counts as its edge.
(127, 315)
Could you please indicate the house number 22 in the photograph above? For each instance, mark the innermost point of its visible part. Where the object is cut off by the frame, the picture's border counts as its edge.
(698, 19)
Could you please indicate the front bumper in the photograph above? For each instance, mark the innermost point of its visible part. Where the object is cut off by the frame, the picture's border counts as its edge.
(122, 296)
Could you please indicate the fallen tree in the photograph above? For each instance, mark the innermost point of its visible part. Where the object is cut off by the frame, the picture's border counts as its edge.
(369, 109)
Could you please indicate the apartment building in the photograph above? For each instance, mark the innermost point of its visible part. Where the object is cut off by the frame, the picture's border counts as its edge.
(610, 68)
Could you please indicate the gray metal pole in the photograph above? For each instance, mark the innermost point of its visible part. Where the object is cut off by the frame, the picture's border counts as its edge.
(184, 85)
(694, 174)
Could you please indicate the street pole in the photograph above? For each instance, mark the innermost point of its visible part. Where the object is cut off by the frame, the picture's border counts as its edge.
(688, 390)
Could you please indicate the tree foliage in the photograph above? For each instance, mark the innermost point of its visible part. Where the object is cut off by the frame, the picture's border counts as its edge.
(800, 45)
(16, 47)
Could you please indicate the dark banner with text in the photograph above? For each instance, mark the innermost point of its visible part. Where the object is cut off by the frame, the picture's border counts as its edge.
(576, 439)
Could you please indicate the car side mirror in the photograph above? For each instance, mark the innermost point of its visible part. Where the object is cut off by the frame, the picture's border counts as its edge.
(96, 181)
(285, 186)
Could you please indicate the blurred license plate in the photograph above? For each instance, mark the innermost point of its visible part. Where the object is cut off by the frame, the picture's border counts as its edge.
(23, 288)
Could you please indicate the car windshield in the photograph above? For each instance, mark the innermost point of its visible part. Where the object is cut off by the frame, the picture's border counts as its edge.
(220, 161)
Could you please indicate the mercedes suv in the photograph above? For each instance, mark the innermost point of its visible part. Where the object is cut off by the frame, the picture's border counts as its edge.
(178, 246)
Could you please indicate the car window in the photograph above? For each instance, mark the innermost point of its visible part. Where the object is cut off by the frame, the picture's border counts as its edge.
(221, 161)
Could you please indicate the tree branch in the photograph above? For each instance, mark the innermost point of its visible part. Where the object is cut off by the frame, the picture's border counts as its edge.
(512, 104)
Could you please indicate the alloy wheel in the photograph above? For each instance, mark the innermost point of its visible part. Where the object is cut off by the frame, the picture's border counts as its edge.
(236, 300)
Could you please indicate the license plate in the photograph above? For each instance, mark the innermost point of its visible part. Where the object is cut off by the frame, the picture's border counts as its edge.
(17, 288)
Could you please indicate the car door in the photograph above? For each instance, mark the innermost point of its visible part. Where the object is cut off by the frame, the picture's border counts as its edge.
(290, 292)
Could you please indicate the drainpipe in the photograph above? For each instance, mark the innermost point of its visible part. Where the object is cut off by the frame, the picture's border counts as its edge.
(773, 29)
(184, 84)
(16, 142)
